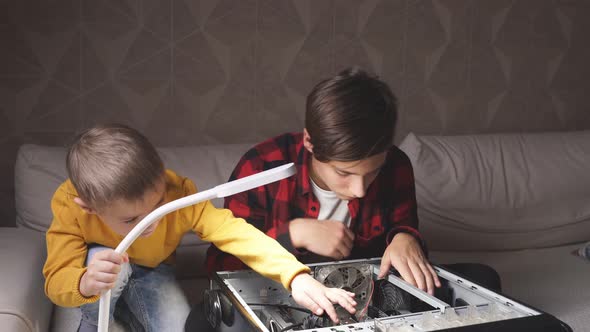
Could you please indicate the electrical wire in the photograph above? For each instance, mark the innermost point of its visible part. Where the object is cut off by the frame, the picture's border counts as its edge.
(363, 312)
(278, 305)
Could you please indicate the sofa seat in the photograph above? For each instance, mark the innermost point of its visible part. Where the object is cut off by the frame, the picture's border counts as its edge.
(23, 305)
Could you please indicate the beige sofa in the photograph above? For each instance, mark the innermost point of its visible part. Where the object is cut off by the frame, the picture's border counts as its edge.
(468, 206)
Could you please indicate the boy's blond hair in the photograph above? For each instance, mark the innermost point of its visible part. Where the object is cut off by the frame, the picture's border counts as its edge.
(110, 162)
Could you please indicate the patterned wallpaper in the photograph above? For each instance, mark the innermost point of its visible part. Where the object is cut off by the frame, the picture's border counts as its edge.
(214, 71)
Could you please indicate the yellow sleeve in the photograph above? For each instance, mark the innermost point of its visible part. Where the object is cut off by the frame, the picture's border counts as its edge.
(66, 253)
(237, 237)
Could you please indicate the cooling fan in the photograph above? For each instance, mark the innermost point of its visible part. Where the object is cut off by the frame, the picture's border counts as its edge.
(355, 278)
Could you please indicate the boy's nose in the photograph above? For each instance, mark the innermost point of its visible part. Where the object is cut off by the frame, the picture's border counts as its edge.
(358, 188)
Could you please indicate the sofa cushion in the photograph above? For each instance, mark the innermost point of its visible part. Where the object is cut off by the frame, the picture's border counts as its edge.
(41, 169)
(502, 191)
(38, 172)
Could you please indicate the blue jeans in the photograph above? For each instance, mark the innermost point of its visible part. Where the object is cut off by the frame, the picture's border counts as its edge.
(151, 299)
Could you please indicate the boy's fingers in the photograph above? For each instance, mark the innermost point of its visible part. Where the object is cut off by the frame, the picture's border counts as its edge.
(307, 302)
(343, 250)
(97, 287)
(434, 276)
(105, 277)
(325, 304)
(105, 286)
(108, 267)
(348, 243)
(343, 299)
(349, 234)
(419, 277)
(384, 268)
(406, 274)
(343, 295)
(428, 277)
(109, 255)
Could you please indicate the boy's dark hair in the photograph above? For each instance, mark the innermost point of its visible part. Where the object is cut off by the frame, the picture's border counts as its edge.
(110, 162)
(350, 116)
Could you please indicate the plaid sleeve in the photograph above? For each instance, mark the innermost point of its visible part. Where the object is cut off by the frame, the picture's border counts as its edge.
(216, 259)
(404, 213)
(255, 205)
(251, 204)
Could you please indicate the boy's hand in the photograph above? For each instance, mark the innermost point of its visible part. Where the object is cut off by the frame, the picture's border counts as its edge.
(406, 256)
(326, 237)
(102, 272)
(318, 298)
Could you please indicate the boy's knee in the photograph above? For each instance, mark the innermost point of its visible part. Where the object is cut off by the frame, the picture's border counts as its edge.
(90, 311)
(122, 279)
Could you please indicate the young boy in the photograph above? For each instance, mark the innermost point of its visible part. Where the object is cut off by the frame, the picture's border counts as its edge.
(116, 178)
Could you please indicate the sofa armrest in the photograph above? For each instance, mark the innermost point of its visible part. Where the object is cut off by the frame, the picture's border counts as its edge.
(23, 304)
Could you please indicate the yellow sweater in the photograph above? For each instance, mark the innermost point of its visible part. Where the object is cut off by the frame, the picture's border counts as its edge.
(72, 229)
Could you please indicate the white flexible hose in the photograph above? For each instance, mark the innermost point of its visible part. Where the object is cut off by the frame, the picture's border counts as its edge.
(223, 190)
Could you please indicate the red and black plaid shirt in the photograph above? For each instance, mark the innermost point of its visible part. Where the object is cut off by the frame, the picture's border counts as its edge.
(388, 207)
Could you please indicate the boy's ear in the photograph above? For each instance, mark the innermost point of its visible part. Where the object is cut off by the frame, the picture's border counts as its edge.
(307, 141)
(84, 206)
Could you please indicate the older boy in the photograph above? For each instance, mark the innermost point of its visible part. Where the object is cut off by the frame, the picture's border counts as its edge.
(353, 195)
(116, 178)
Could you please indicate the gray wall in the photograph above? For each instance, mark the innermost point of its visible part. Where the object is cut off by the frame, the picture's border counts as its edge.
(213, 71)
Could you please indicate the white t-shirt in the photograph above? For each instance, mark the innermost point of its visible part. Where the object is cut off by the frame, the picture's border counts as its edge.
(331, 207)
